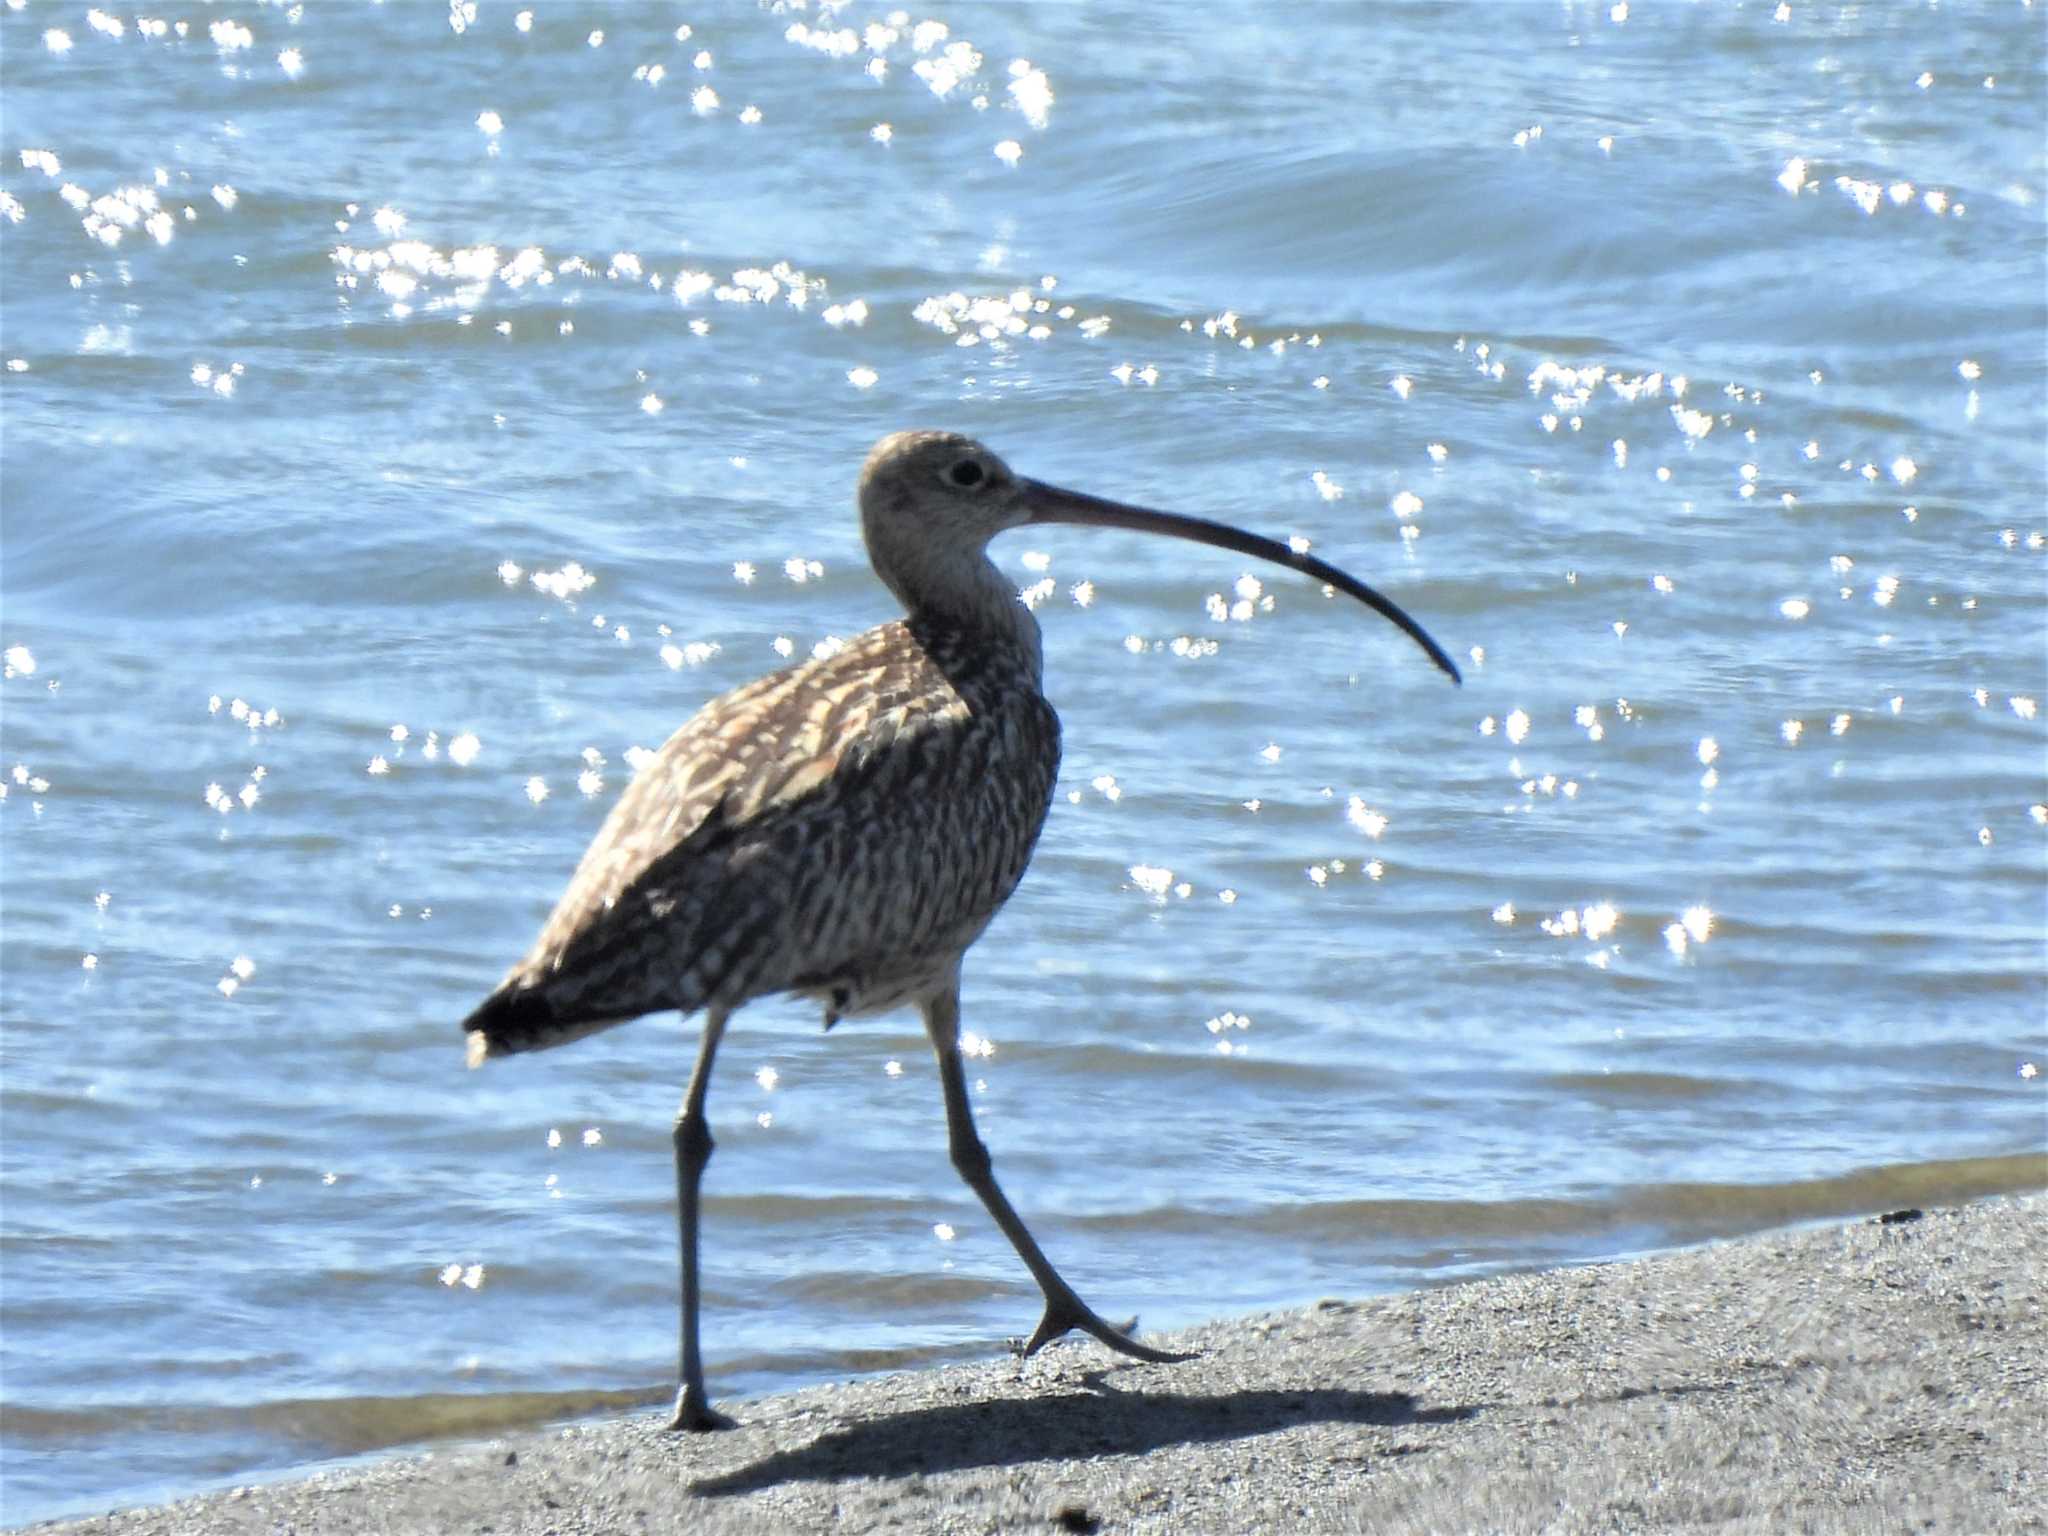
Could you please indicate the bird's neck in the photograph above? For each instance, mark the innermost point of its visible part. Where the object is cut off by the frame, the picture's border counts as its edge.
(975, 602)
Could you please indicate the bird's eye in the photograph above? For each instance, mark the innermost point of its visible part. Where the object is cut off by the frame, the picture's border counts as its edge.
(967, 474)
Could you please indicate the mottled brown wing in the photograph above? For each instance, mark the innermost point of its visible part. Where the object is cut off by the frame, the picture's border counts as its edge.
(798, 831)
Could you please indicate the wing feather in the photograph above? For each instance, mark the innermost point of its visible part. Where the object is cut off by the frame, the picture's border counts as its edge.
(791, 803)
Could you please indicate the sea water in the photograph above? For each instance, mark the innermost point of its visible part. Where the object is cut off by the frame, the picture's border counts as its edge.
(413, 412)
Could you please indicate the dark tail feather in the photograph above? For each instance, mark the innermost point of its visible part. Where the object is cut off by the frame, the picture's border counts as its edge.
(515, 1019)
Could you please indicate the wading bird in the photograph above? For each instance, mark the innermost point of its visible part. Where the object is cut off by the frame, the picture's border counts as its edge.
(845, 828)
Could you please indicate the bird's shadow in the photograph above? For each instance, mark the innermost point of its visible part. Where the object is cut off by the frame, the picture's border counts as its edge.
(1068, 1425)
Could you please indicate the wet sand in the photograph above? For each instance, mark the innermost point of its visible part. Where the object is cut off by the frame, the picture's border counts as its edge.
(1876, 1376)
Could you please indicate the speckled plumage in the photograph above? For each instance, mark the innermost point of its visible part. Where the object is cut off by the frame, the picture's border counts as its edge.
(843, 829)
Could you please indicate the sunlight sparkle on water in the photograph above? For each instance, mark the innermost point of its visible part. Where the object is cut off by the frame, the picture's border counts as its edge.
(1030, 91)
(1364, 818)
(1152, 880)
(958, 61)
(841, 42)
(571, 580)
(695, 654)
(1694, 926)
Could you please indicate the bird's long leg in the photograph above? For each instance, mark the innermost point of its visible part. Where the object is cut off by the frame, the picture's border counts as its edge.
(1064, 1310)
(693, 1150)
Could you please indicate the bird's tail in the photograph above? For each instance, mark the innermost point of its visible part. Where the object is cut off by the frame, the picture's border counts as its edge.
(515, 1019)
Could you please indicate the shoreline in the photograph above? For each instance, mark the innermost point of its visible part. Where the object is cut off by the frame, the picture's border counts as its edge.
(1884, 1372)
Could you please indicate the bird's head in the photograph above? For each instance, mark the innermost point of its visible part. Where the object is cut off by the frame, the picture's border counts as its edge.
(920, 487)
(931, 501)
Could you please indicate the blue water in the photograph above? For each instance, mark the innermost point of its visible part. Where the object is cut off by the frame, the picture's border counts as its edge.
(1682, 369)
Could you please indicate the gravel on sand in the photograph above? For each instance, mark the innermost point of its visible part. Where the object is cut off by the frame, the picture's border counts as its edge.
(1884, 1375)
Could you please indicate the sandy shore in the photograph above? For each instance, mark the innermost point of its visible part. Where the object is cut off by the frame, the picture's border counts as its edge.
(1874, 1376)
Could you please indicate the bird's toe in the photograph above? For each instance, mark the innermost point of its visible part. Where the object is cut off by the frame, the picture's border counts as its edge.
(698, 1418)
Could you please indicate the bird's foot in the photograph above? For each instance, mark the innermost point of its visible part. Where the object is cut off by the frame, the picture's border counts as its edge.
(696, 1415)
(1066, 1312)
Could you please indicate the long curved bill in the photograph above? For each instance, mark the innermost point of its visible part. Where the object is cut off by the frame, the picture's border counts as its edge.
(1050, 504)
